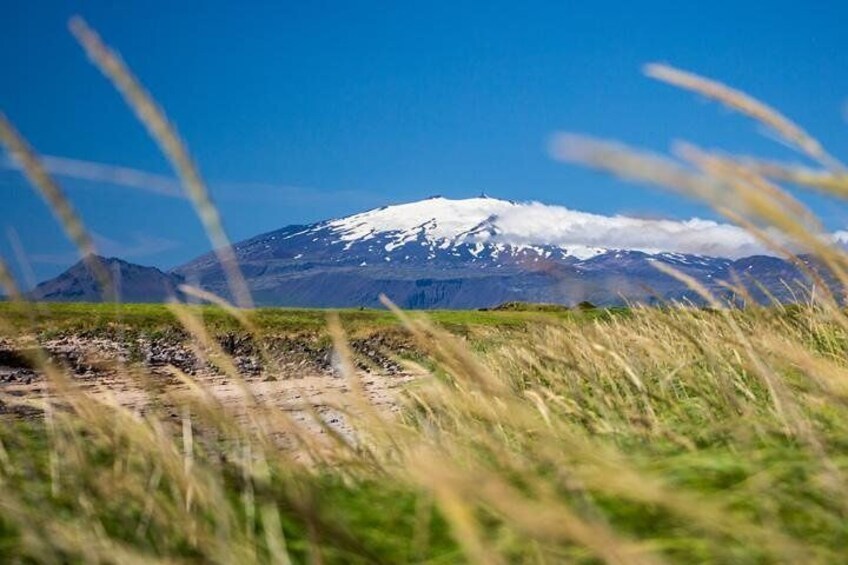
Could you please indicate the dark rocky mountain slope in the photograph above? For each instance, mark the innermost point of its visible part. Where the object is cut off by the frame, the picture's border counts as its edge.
(134, 283)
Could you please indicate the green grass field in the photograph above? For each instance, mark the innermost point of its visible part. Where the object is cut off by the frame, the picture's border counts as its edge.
(76, 317)
(684, 435)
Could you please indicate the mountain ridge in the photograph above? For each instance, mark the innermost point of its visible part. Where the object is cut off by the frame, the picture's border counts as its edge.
(481, 252)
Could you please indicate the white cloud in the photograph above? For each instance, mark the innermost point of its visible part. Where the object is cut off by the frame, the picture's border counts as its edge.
(536, 224)
(164, 185)
(139, 245)
(106, 174)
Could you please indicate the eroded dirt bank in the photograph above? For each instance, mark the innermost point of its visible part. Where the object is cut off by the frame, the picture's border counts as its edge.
(299, 374)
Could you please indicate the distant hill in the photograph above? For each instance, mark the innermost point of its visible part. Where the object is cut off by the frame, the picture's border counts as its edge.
(134, 283)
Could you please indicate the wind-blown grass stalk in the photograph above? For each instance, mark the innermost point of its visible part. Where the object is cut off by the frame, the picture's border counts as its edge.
(734, 191)
(745, 104)
(7, 282)
(163, 132)
(50, 191)
(825, 182)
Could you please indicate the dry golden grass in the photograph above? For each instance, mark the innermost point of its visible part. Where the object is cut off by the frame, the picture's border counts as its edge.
(747, 105)
(674, 434)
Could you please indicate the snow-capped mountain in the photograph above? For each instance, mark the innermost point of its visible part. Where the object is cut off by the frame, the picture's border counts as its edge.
(479, 252)
(476, 252)
(444, 223)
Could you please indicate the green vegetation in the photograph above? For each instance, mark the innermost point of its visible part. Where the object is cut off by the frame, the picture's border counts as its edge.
(158, 319)
(516, 306)
(677, 434)
(687, 434)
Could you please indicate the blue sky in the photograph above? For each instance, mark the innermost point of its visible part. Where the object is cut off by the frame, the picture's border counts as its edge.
(299, 111)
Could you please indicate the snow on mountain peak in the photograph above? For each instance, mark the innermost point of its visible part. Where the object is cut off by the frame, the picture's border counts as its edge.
(438, 217)
(445, 222)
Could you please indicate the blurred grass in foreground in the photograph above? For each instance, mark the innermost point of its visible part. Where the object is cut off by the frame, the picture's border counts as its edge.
(678, 434)
(632, 438)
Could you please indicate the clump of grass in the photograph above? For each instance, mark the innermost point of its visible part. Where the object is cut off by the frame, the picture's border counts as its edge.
(673, 434)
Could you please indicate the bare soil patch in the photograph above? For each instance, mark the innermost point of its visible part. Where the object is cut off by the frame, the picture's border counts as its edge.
(299, 375)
